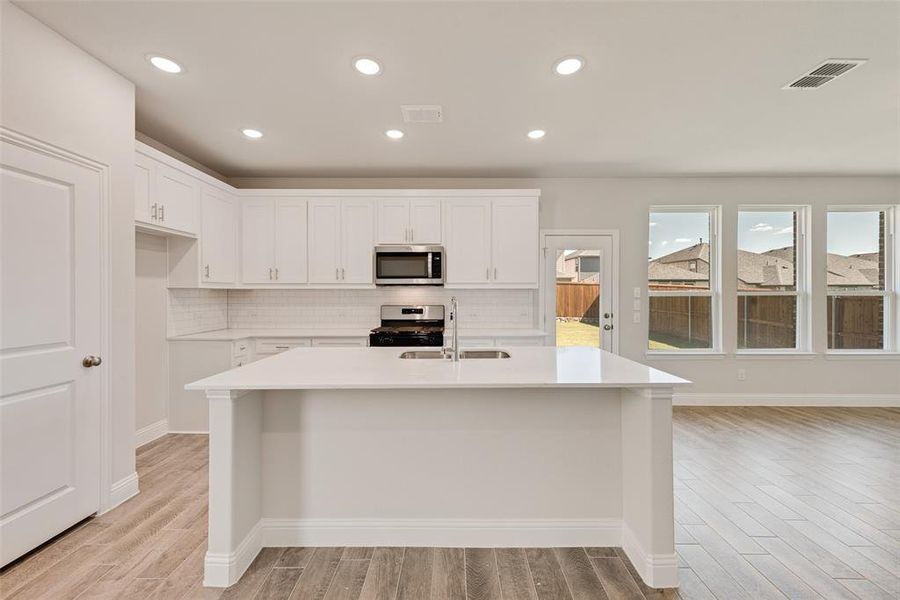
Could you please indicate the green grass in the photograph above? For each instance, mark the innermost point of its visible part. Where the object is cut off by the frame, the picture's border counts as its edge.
(654, 345)
(575, 333)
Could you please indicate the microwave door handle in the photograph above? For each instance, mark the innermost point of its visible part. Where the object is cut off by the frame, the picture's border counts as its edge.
(429, 266)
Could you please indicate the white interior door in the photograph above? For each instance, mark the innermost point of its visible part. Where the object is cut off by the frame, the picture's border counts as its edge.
(50, 228)
(580, 290)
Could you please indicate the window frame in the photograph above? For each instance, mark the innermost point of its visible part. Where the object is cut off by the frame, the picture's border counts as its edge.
(802, 288)
(891, 291)
(715, 281)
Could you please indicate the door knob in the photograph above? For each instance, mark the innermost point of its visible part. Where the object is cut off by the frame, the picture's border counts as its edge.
(607, 327)
(91, 361)
(607, 315)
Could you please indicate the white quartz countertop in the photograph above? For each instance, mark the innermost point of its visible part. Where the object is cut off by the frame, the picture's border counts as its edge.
(227, 335)
(381, 368)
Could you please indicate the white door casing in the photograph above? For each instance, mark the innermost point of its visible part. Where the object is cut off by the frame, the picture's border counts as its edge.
(52, 210)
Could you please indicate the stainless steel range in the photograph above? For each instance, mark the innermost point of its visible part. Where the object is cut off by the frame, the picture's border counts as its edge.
(409, 326)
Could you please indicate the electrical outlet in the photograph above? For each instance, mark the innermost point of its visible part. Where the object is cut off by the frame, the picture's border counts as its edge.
(742, 375)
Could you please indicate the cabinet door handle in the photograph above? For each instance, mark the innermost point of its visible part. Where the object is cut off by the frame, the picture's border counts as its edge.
(162, 213)
(487, 274)
(495, 273)
(206, 270)
(342, 273)
(153, 211)
(337, 273)
(412, 234)
(270, 273)
(276, 273)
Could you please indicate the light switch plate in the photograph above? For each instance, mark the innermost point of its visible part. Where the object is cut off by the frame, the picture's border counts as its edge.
(637, 304)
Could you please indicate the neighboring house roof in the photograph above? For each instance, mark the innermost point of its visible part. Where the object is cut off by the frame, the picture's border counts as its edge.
(657, 271)
(770, 269)
(695, 252)
(580, 253)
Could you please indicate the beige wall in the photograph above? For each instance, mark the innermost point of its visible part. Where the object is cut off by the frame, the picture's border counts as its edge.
(623, 204)
(57, 93)
(151, 347)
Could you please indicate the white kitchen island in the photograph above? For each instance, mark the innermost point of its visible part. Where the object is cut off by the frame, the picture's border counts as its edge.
(358, 447)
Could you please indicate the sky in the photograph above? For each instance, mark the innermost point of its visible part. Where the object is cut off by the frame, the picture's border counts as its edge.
(848, 232)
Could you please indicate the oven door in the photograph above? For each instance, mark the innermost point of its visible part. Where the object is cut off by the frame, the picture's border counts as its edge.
(409, 265)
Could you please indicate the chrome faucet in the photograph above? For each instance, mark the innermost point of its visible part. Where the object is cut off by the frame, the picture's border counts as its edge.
(453, 350)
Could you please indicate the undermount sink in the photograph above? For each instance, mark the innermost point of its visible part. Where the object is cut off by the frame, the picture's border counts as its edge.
(424, 354)
(464, 354)
(483, 354)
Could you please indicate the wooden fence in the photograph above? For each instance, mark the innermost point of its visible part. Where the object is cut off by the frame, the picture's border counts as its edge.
(680, 321)
(855, 322)
(579, 301)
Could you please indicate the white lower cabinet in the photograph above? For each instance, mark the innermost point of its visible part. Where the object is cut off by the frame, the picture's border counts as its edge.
(340, 342)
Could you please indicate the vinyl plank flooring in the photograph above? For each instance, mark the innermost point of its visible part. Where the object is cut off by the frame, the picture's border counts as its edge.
(297, 557)
(317, 575)
(549, 581)
(616, 580)
(415, 574)
(448, 574)
(515, 576)
(790, 584)
(348, 580)
(255, 575)
(279, 584)
(357, 553)
(580, 575)
(383, 576)
(648, 592)
(482, 579)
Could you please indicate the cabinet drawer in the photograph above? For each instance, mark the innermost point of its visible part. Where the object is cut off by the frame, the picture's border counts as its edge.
(276, 345)
(340, 342)
(240, 347)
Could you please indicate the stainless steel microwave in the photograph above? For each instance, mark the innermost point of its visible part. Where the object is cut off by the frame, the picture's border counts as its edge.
(409, 265)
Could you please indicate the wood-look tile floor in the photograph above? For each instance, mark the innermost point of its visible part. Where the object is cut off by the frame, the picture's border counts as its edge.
(770, 503)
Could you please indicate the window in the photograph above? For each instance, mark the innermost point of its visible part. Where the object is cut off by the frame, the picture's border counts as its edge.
(770, 278)
(682, 274)
(858, 279)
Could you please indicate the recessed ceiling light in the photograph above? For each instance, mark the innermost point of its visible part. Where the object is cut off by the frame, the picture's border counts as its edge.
(366, 65)
(164, 64)
(569, 65)
(394, 134)
(253, 134)
(536, 134)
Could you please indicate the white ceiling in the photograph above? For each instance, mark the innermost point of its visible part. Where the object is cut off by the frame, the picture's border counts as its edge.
(669, 87)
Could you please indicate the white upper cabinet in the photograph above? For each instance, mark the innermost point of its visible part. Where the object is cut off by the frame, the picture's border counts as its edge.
(290, 240)
(257, 240)
(218, 233)
(341, 240)
(165, 197)
(425, 221)
(409, 221)
(324, 240)
(467, 241)
(357, 240)
(514, 241)
(492, 242)
(393, 221)
(176, 194)
(273, 246)
(144, 173)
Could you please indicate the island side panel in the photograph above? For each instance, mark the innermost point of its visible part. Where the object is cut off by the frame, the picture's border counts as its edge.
(648, 532)
(446, 467)
(235, 425)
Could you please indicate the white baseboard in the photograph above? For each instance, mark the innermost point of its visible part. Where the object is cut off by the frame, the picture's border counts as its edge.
(185, 431)
(836, 400)
(442, 532)
(657, 570)
(223, 570)
(122, 490)
(151, 432)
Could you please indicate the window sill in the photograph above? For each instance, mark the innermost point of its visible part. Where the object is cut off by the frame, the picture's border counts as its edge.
(689, 354)
(775, 354)
(861, 354)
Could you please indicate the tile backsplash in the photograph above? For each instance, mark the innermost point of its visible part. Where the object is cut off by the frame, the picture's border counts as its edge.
(193, 311)
(351, 309)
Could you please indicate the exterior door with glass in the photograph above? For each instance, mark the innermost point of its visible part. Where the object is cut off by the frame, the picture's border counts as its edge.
(579, 294)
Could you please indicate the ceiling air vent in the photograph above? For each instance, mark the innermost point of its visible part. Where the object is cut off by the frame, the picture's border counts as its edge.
(422, 113)
(828, 71)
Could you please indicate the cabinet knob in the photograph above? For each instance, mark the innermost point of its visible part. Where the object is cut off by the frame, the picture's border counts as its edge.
(91, 361)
